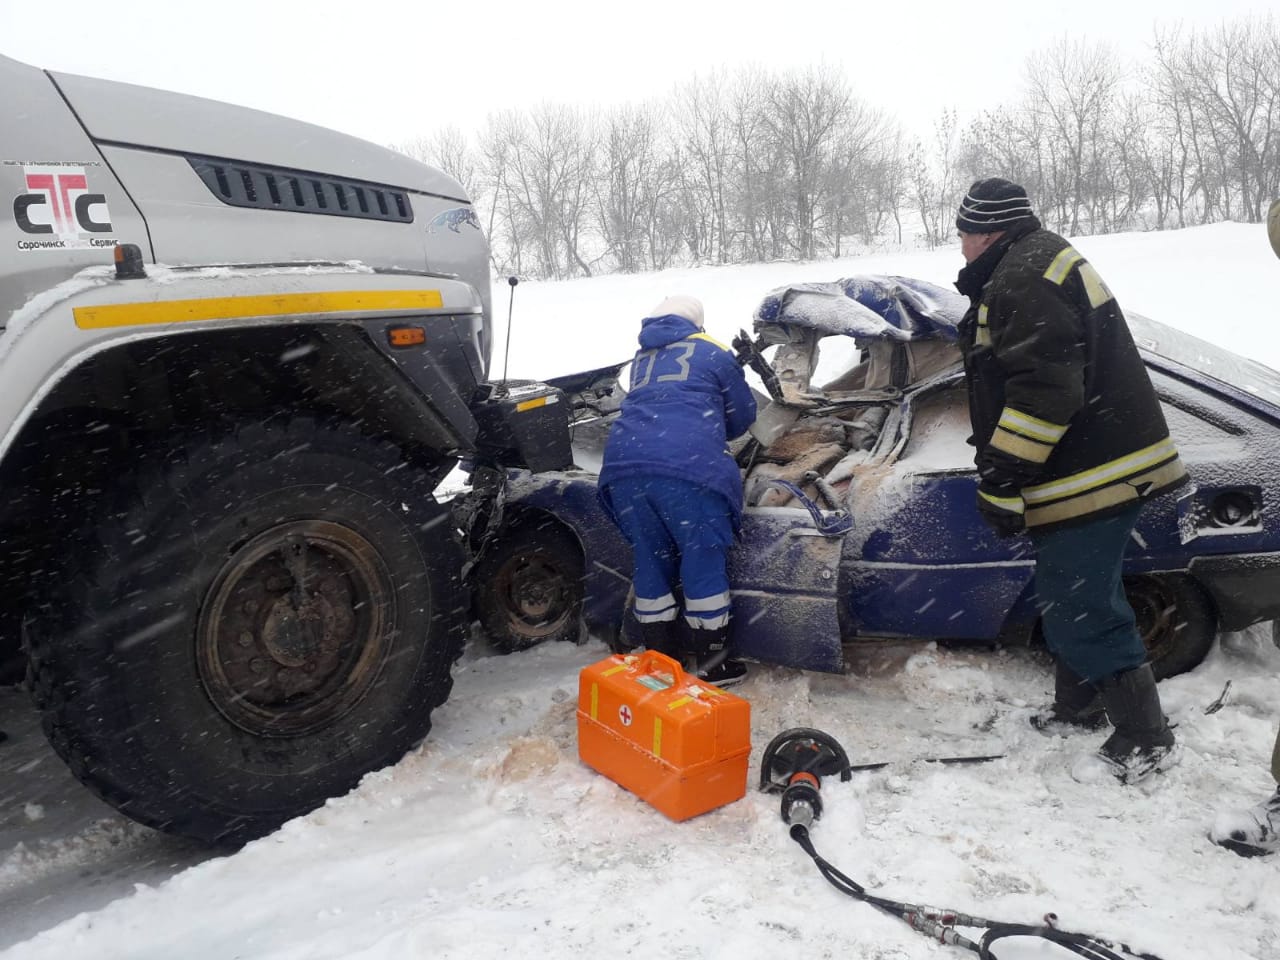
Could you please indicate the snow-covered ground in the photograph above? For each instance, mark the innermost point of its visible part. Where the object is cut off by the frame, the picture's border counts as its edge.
(492, 838)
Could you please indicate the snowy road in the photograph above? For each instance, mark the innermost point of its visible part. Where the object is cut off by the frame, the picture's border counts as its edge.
(62, 850)
(494, 833)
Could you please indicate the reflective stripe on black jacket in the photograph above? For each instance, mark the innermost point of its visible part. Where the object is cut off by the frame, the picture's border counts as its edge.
(1059, 398)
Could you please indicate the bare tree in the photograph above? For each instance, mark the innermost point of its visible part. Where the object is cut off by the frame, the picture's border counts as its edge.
(931, 173)
(507, 225)
(635, 184)
(549, 167)
(703, 133)
(1074, 85)
(758, 166)
(450, 150)
(805, 114)
(756, 169)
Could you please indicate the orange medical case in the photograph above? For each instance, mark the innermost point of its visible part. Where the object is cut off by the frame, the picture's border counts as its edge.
(676, 742)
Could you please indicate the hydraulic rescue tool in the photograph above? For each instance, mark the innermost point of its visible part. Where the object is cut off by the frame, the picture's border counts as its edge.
(793, 765)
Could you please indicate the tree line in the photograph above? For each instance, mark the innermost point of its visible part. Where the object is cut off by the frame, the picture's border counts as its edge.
(757, 165)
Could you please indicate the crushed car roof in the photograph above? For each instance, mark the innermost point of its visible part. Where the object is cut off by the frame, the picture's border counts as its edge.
(868, 306)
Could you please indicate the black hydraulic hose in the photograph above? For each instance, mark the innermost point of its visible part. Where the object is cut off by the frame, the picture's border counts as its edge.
(926, 925)
(938, 924)
(1081, 944)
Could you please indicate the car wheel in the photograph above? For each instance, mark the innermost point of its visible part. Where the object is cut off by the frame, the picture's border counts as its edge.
(529, 585)
(261, 619)
(1176, 620)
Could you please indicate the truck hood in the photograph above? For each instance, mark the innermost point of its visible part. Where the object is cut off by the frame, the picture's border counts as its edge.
(142, 117)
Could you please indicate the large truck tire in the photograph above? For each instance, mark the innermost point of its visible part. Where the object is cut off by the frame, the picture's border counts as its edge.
(262, 618)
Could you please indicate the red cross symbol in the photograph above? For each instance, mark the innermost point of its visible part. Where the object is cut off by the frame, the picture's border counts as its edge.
(624, 714)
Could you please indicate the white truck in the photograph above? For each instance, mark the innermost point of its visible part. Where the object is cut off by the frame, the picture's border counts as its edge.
(237, 355)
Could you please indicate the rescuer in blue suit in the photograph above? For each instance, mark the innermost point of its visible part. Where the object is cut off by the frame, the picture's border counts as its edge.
(670, 484)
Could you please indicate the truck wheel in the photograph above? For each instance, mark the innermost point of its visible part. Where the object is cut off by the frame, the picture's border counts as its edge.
(264, 617)
(529, 586)
(1176, 620)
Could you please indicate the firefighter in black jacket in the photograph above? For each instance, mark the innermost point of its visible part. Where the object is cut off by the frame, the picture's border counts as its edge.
(1071, 442)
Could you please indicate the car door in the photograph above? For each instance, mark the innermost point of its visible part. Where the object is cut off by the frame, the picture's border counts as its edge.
(919, 561)
(784, 575)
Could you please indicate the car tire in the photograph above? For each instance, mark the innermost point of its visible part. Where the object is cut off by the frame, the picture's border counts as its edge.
(261, 618)
(529, 585)
(1176, 619)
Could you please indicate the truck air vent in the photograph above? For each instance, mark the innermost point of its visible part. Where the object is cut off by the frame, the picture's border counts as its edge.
(279, 188)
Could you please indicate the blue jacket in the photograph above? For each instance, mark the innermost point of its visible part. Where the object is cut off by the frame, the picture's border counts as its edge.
(687, 399)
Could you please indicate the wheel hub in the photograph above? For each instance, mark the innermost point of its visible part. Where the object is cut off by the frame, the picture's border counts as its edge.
(1155, 611)
(295, 627)
(536, 595)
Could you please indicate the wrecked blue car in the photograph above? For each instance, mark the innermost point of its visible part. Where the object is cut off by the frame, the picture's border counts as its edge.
(860, 523)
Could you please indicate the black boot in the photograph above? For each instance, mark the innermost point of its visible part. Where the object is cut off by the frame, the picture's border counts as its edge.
(1142, 742)
(660, 637)
(710, 652)
(1077, 705)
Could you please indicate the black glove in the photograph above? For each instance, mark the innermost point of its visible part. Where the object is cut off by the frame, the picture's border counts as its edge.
(1001, 507)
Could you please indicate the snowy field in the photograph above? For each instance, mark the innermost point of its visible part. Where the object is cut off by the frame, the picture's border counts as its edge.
(493, 839)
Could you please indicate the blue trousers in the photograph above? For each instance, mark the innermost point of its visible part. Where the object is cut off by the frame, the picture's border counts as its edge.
(1088, 622)
(680, 534)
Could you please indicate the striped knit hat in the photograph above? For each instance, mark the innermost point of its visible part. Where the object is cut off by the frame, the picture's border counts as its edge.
(993, 205)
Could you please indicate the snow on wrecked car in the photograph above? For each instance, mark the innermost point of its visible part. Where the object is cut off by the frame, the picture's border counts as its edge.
(860, 522)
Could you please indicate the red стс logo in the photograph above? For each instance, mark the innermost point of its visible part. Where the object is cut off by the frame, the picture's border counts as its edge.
(65, 191)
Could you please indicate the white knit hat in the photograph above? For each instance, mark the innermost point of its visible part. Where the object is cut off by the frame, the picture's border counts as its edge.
(681, 306)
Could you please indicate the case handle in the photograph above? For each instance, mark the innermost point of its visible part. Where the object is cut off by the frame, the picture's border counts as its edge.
(652, 658)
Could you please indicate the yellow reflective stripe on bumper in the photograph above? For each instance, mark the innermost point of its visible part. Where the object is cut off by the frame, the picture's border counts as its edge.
(1118, 469)
(237, 308)
(1061, 265)
(1024, 449)
(657, 736)
(1007, 504)
(1125, 491)
(1029, 426)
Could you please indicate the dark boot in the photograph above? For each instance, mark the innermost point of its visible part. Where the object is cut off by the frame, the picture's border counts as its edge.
(710, 652)
(1142, 743)
(1077, 705)
(1251, 833)
(660, 637)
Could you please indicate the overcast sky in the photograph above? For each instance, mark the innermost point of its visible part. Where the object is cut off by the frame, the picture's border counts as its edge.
(394, 70)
